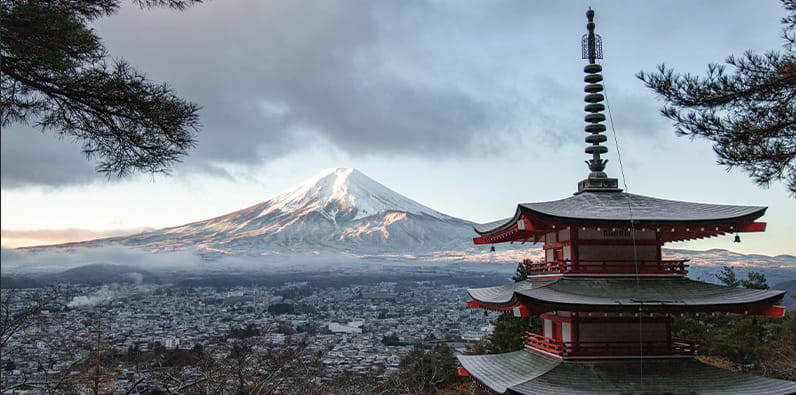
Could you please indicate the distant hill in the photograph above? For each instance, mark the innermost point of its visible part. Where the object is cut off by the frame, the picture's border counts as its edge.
(705, 265)
(100, 273)
(790, 298)
(11, 282)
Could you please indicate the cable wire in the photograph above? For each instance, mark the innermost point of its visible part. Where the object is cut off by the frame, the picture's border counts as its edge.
(632, 234)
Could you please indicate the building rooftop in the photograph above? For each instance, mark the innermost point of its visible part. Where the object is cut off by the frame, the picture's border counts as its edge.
(650, 294)
(620, 208)
(527, 372)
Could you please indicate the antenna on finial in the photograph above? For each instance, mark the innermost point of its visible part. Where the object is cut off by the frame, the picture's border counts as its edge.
(593, 50)
(591, 44)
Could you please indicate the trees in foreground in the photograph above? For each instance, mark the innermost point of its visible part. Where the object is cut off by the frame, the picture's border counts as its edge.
(760, 345)
(507, 335)
(55, 74)
(745, 107)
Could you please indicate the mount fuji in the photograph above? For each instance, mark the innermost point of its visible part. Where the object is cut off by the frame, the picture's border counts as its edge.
(338, 210)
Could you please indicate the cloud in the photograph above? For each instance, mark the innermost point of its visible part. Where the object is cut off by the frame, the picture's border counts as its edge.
(50, 261)
(13, 238)
(412, 78)
(273, 77)
(55, 260)
(32, 157)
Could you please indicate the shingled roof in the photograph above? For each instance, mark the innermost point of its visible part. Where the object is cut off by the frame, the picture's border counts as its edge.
(527, 372)
(620, 207)
(651, 294)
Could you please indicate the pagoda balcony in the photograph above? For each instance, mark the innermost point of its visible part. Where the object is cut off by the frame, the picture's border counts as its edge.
(568, 266)
(677, 347)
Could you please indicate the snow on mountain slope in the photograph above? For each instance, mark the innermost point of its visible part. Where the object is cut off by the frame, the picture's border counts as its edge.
(347, 193)
(337, 209)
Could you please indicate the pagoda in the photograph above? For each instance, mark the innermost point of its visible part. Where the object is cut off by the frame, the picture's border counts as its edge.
(605, 295)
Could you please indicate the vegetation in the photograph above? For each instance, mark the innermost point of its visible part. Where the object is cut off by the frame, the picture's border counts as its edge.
(507, 335)
(749, 113)
(428, 372)
(56, 76)
(760, 345)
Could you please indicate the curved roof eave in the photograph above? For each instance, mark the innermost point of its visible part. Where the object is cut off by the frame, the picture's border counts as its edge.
(506, 295)
(599, 293)
(501, 371)
(622, 208)
(685, 376)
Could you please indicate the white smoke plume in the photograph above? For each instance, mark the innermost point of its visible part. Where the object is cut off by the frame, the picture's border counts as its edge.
(103, 295)
(137, 278)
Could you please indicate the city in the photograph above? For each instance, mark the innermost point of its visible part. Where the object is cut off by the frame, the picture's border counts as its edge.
(348, 327)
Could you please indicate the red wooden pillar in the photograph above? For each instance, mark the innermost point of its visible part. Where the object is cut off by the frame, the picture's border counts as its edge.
(574, 245)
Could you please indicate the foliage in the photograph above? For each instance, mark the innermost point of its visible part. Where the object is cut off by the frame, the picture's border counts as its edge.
(68, 365)
(754, 280)
(728, 277)
(763, 345)
(281, 308)
(477, 348)
(14, 318)
(427, 372)
(749, 113)
(521, 273)
(250, 330)
(56, 75)
(507, 335)
(392, 340)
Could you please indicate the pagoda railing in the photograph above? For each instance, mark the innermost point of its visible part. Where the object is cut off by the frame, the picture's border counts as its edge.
(568, 266)
(609, 348)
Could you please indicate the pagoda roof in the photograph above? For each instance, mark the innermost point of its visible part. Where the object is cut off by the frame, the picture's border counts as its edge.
(528, 372)
(619, 209)
(650, 294)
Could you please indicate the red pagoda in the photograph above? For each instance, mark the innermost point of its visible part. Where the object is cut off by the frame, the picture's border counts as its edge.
(605, 296)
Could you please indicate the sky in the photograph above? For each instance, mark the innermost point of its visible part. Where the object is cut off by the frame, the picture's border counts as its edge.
(468, 107)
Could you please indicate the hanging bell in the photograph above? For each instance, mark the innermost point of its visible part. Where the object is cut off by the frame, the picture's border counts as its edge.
(737, 239)
(493, 247)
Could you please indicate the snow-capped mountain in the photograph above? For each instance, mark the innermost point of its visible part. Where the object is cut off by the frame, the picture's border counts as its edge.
(337, 209)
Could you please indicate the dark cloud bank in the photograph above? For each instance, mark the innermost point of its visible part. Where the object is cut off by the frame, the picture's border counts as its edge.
(369, 78)
(272, 77)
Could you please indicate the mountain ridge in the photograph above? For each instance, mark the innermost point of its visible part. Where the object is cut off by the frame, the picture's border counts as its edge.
(338, 209)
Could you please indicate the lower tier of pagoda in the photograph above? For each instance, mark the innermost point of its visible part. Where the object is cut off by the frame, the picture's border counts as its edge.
(529, 372)
(593, 296)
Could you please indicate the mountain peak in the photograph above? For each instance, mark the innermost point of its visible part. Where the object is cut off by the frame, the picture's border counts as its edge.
(337, 209)
(344, 192)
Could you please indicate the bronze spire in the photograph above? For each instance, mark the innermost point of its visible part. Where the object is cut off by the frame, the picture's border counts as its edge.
(592, 50)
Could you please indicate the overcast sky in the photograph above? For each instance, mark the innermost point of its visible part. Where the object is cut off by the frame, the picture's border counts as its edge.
(468, 107)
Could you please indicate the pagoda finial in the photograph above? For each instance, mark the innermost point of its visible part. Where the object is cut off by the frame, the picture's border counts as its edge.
(592, 49)
(591, 44)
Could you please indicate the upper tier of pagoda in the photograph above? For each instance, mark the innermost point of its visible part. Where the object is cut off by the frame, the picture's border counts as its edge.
(599, 203)
(673, 220)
